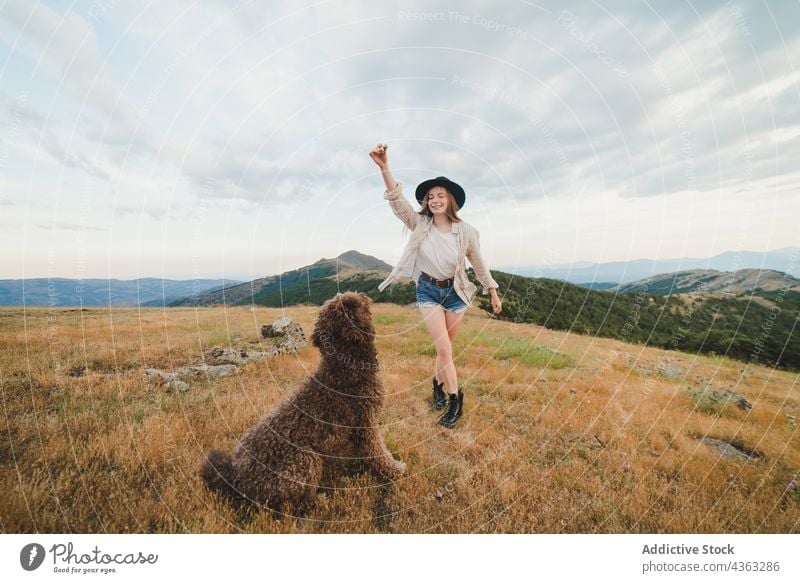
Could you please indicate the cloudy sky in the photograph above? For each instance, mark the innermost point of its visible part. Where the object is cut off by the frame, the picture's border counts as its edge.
(209, 139)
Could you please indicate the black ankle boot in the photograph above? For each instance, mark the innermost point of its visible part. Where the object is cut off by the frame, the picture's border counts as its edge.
(455, 404)
(439, 398)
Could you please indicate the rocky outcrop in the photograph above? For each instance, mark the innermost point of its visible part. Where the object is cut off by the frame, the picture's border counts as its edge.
(200, 370)
(283, 336)
(722, 398)
(665, 368)
(235, 356)
(729, 449)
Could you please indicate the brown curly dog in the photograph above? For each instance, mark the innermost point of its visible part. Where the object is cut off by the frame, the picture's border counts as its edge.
(280, 459)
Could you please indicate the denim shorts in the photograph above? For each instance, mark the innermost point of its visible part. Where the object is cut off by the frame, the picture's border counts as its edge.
(428, 295)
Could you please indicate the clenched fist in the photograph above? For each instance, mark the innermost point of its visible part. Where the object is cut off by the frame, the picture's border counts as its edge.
(378, 154)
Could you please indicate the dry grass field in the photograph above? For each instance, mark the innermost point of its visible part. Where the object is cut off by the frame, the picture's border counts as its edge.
(562, 433)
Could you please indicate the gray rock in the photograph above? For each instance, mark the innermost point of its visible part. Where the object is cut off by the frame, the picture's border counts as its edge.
(251, 355)
(238, 356)
(666, 368)
(721, 397)
(670, 370)
(160, 376)
(172, 379)
(278, 327)
(285, 334)
(176, 385)
(224, 356)
(729, 449)
(212, 371)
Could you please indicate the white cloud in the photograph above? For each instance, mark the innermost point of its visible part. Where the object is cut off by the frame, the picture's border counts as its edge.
(64, 47)
(199, 111)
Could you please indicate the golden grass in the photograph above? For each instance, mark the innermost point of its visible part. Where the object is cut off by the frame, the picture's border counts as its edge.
(561, 432)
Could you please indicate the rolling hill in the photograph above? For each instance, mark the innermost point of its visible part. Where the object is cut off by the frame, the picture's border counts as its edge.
(743, 281)
(748, 315)
(312, 284)
(759, 326)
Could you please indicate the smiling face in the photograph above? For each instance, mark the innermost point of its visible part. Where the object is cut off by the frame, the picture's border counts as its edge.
(438, 200)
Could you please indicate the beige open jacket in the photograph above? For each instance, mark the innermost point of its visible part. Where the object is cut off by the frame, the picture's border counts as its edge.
(468, 246)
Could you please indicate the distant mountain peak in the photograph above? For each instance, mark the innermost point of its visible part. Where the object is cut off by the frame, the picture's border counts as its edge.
(320, 274)
(355, 260)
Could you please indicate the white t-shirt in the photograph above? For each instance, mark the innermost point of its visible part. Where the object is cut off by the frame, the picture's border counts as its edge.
(438, 253)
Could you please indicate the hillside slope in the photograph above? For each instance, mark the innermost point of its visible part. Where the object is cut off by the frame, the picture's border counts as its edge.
(698, 311)
(743, 281)
(763, 331)
(562, 433)
(312, 284)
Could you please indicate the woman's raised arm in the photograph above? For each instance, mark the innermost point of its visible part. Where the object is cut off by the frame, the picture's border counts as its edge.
(381, 158)
(394, 190)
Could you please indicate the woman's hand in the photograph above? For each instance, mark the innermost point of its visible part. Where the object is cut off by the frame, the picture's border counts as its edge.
(379, 156)
(497, 305)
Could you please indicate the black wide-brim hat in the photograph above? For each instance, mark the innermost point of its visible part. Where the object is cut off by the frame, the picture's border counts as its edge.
(455, 189)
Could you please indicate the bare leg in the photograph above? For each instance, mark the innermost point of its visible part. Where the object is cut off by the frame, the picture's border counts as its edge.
(434, 319)
(453, 322)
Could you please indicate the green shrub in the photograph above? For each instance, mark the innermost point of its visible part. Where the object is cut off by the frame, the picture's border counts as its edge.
(713, 402)
(530, 354)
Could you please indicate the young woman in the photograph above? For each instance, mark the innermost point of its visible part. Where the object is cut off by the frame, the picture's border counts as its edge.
(434, 259)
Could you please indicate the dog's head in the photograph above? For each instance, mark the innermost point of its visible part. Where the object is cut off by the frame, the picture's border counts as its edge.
(344, 324)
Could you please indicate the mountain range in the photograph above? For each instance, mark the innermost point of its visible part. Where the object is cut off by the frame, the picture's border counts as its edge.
(741, 282)
(62, 292)
(786, 260)
(696, 311)
(748, 314)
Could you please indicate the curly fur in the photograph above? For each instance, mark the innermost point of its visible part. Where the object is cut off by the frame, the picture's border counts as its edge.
(279, 460)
